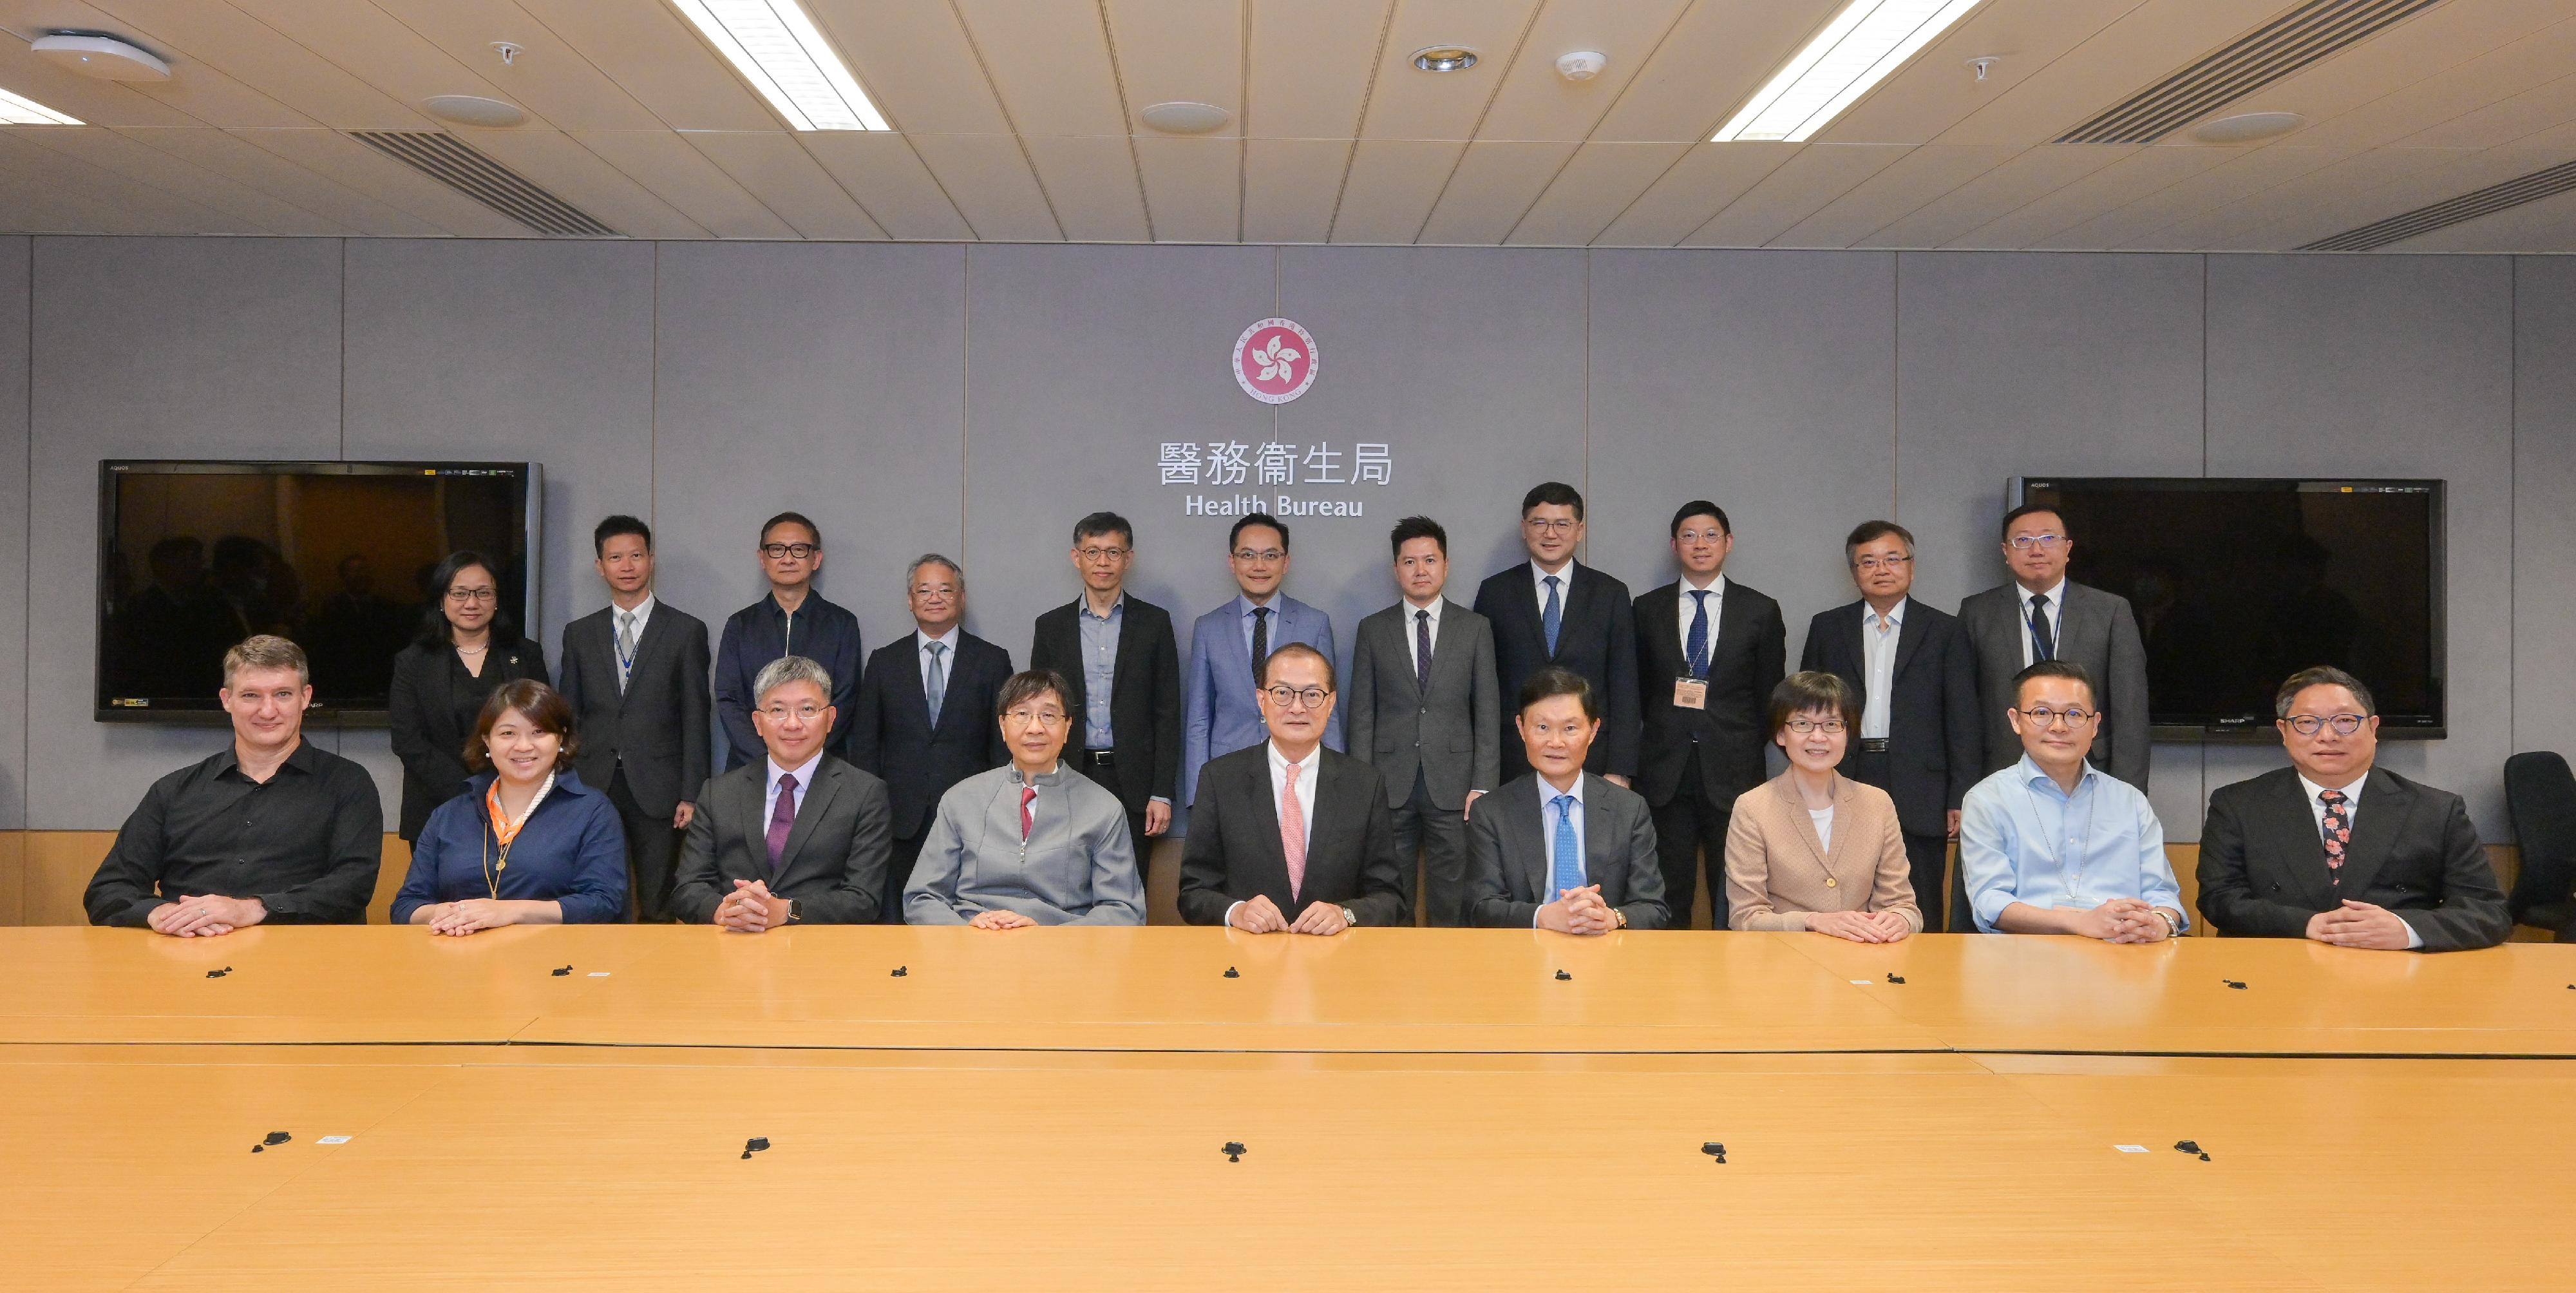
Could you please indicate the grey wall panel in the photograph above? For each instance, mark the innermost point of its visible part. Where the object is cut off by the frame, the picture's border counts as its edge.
(2544, 479)
(2386, 366)
(509, 350)
(1083, 362)
(824, 378)
(14, 570)
(182, 348)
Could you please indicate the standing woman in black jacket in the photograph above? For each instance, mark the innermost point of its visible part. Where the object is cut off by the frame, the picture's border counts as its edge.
(468, 647)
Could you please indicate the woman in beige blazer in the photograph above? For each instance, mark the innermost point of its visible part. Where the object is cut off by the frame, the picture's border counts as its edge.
(1813, 849)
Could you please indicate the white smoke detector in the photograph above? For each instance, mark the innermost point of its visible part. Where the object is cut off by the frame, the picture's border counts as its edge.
(103, 57)
(1582, 64)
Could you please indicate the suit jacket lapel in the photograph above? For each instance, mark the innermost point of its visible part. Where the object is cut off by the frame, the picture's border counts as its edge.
(656, 630)
(2301, 843)
(1796, 808)
(1128, 663)
(1664, 624)
(1077, 678)
(1909, 638)
(1266, 812)
(2374, 833)
(809, 810)
(1451, 651)
(1604, 859)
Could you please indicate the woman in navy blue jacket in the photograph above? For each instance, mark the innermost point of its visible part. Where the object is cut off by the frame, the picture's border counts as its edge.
(527, 843)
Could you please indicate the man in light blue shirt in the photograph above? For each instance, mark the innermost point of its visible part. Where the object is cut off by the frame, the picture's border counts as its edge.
(2052, 845)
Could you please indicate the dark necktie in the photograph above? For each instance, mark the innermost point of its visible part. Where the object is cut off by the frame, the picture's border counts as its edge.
(1260, 639)
(782, 819)
(1698, 645)
(2338, 833)
(2040, 634)
(1422, 652)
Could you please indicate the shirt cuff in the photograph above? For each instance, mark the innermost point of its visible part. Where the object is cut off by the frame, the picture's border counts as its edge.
(2414, 937)
(1164, 800)
(1229, 914)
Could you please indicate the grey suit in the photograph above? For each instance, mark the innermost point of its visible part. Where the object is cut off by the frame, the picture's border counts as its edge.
(1432, 746)
(835, 860)
(647, 744)
(2096, 630)
(1508, 857)
(1076, 866)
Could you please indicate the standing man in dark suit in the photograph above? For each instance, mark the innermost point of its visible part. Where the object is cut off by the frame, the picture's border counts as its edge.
(2337, 850)
(1289, 836)
(1116, 655)
(2043, 615)
(1920, 737)
(927, 718)
(1561, 849)
(798, 838)
(792, 620)
(635, 674)
(1557, 611)
(1426, 710)
(1228, 644)
(1709, 651)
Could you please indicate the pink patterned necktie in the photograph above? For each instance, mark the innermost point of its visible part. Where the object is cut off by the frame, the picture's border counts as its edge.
(1292, 833)
(1027, 793)
(2338, 830)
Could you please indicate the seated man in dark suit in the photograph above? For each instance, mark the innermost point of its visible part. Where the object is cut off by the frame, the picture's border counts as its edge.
(1288, 835)
(2333, 849)
(798, 838)
(926, 717)
(1561, 848)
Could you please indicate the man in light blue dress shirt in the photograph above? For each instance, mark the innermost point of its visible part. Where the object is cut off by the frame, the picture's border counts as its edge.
(2052, 845)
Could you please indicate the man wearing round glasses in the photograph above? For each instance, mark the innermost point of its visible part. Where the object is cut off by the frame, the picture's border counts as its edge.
(798, 838)
(2055, 845)
(2336, 849)
(2043, 615)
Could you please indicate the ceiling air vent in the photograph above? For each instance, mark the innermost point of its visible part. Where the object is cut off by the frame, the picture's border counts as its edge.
(2459, 210)
(460, 166)
(2308, 34)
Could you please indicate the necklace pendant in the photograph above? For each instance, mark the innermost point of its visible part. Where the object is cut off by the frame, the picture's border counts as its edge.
(505, 865)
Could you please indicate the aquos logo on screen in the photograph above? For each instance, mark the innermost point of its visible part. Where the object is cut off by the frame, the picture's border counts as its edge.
(1274, 360)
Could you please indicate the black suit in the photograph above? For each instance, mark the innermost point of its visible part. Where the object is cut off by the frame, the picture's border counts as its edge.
(1233, 851)
(647, 742)
(834, 862)
(1935, 736)
(2413, 850)
(893, 738)
(433, 708)
(1144, 756)
(1596, 637)
(1694, 762)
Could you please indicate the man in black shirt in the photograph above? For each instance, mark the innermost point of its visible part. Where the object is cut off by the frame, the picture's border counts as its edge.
(270, 829)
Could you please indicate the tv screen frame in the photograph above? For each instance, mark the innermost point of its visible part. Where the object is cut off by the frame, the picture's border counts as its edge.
(2254, 731)
(532, 508)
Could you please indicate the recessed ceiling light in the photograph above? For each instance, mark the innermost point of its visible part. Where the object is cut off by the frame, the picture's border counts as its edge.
(474, 110)
(99, 55)
(16, 110)
(1861, 47)
(2246, 127)
(1181, 117)
(1444, 58)
(775, 45)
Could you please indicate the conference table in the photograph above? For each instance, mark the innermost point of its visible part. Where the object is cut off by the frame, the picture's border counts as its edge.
(1052, 1108)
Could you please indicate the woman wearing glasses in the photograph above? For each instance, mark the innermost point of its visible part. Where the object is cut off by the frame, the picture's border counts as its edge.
(468, 647)
(1811, 848)
(1034, 843)
(527, 843)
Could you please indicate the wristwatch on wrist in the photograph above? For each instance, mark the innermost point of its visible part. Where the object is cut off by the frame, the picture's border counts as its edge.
(2173, 928)
(1619, 916)
(1350, 917)
(795, 913)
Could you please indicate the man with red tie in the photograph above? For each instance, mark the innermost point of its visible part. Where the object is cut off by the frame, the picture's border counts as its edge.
(1289, 836)
(799, 838)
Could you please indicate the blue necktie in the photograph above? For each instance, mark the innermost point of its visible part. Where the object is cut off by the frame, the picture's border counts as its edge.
(1698, 645)
(1549, 616)
(1569, 864)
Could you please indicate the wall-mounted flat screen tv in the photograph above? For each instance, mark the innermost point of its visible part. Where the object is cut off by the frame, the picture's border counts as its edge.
(2239, 583)
(195, 556)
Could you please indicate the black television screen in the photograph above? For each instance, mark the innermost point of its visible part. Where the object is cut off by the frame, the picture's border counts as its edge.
(2239, 583)
(195, 556)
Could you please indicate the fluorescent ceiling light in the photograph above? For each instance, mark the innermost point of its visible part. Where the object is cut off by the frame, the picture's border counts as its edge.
(1864, 43)
(777, 48)
(17, 111)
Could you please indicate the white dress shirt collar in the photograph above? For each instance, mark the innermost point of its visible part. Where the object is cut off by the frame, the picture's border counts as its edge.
(2351, 794)
(2056, 598)
(922, 641)
(1564, 580)
(1716, 585)
(1895, 617)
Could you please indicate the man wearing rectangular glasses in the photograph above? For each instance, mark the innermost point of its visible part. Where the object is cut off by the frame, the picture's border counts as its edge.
(2337, 850)
(2043, 615)
(792, 619)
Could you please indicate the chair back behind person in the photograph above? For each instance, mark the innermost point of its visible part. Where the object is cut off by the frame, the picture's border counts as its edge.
(2540, 797)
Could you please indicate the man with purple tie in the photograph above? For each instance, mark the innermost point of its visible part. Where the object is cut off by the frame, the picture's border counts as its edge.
(798, 838)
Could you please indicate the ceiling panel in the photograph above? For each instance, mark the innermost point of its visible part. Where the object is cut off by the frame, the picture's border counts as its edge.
(787, 180)
(196, 94)
(1697, 187)
(1392, 184)
(989, 179)
(366, 42)
(915, 63)
(1715, 57)
(2403, 116)
(2249, 172)
(666, 166)
(1595, 186)
(223, 37)
(2391, 86)
(1913, 181)
(1409, 103)
(884, 173)
(1492, 185)
(355, 166)
(1168, 51)
(227, 155)
(2057, 220)
(115, 153)
(2503, 120)
(1309, 66)
(547, 77)
(1938, 89)
(111, 202)
(2336, 196)
(1817, 175)
(1537, 103)
(657, 59)
(1050, 60)
(1091, 182)
(1194, 187)
(2142, 47)
(1289, 186)
(571, 171)
(2026, 178)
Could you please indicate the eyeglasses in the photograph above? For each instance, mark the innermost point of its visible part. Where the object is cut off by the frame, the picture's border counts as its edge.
(1095, 556)
(1698, 536)
(2039, 542)
(1802, 726)
(468, 596)
(1558, 525)
(934, 590)
(1283, 696)
(1261, 554)
(1048, 718)
(1892, 562)
(2343, 724)
(779, 713)
(782, 551)
(2043, 716)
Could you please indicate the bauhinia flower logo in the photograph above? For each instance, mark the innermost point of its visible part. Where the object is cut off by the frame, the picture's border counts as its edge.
(1275, 360)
